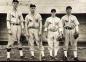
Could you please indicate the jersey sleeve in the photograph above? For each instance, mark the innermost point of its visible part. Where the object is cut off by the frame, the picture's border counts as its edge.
(8, 20)
(60, 26)
(76, 21)
(22, 20)
(62, 20)
(46, 25)
(8, 16)
(77, 24)
(26, 19)
(39, 17)
(63, 24)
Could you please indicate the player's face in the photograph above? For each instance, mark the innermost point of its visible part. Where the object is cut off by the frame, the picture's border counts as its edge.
(68, 11)
(32, 9)
(15, 4)
(53, 14)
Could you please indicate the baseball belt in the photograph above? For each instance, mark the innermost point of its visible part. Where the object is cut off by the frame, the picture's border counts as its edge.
(15, 24)
(69, 28)
(33, 27)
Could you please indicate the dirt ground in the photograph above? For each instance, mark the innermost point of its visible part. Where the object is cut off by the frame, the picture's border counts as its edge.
(15, 54)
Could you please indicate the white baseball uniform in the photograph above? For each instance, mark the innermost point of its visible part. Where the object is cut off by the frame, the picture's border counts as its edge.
(71, 22)
(14, 26)
(33, 25)
(53, 26)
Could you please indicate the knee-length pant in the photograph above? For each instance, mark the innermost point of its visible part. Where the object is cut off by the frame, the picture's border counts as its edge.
(69, 37)
(16, 33)
(34, 36)
(52, 40)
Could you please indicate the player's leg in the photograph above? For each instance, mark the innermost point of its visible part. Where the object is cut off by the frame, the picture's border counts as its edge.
(8, 47)
(74, 46)
(11, 40)
(50, 43)
(8, 53)
(56, 44)
(39, 42)
(19, 43)
(12, 37)
(66, 43)
(56, 47)
(31, 42)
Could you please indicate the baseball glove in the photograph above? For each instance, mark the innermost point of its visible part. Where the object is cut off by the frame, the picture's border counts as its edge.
(76, 35)
(9, 32)
(60, 38)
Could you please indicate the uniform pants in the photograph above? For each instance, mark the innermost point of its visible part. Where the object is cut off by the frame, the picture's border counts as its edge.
(69, 37)
(34, 36)
(52, 41)
(16, 33)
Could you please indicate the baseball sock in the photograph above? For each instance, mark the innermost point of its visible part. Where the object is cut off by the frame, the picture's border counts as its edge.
(55, 51)
(75, 53)
(8, 52)
(42, 53)
(51, 53)
(20, 51)
(32, 53)
(65, 53)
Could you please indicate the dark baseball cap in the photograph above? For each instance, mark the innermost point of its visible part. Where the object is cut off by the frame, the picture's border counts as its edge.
(15, 1)
(53, 10)
(68, 7)
(32, 5)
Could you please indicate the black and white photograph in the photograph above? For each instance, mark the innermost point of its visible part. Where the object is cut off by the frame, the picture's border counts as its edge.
(43, 30)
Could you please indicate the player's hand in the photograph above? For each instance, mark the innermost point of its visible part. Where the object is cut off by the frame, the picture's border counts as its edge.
(59, 38)
(26, 34)
(23, 31)
(9, 31)
(63, 37)
(40, 33)
(77, 32)
(76, 35)
(45, 33)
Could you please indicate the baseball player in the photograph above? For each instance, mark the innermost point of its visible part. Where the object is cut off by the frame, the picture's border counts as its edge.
(71, 30)
(33, 25)
(14, 26)
(53, 30)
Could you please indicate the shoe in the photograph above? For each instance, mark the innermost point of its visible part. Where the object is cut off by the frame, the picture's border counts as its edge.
(65, 58)
(76, 59)
(32, 57)
(22, 57)
(43, 58)
(55, 58)
(51, 57)
(8, 59)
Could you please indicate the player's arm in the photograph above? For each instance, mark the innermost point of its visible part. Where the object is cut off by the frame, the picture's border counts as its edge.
(77, 25)
(76, 34)
(41, 27)
(62, 24)
(46, 27)
(22, 22)
(60, 27)
(8, 22)
(40, 22)
(26, 27)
